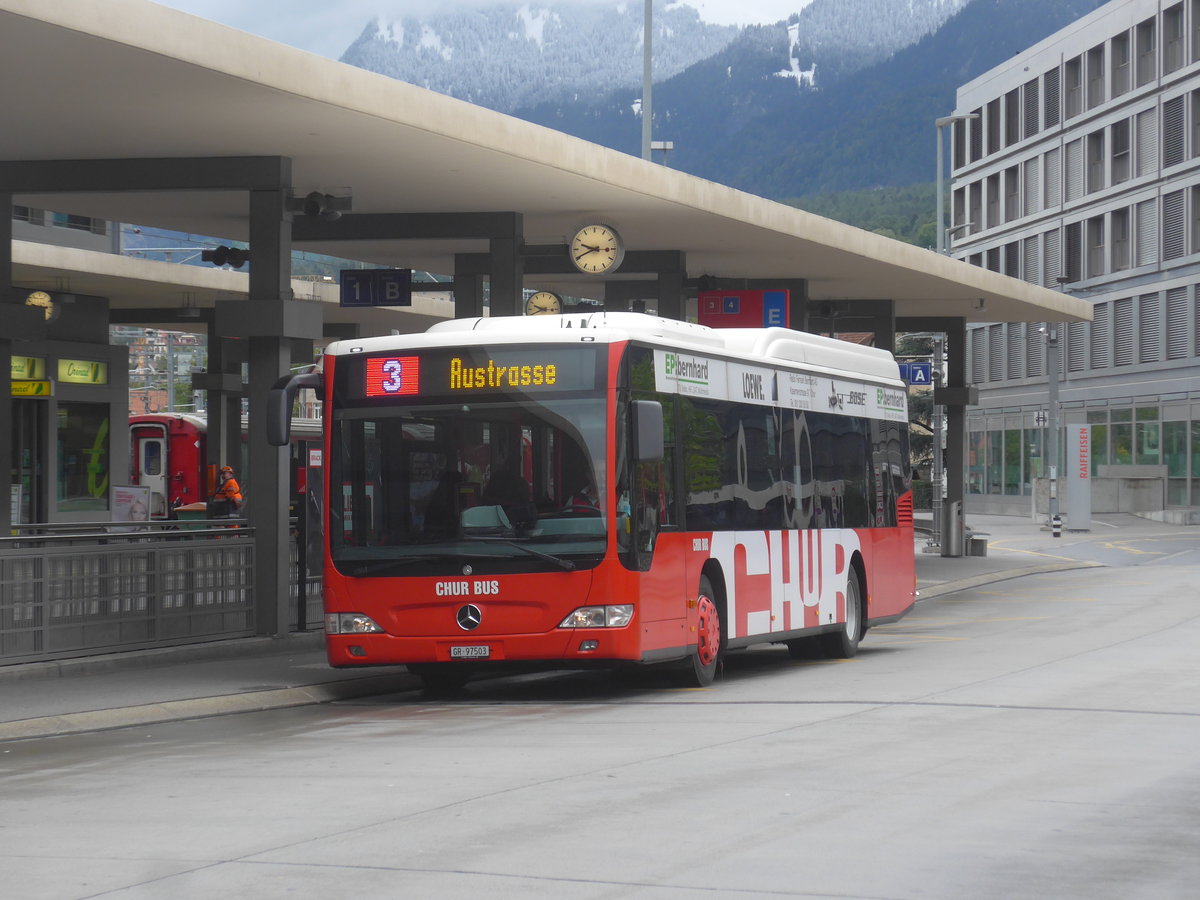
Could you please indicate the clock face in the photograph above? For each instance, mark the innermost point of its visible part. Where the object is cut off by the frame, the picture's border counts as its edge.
(596, 249)
(543, 303)
(42, 301)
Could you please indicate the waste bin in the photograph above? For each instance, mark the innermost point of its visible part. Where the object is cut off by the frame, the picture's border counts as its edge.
(952, 528)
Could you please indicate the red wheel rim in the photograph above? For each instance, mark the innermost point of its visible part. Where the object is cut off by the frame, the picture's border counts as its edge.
(708, 631)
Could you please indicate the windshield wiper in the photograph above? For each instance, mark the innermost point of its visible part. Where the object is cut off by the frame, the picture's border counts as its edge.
(564, 564)
(382, 566)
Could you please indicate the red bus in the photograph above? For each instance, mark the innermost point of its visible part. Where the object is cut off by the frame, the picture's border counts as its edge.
(168, 453)
(749, 486)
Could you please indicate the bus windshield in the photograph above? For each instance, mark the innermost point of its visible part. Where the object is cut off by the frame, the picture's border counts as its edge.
(499, 485)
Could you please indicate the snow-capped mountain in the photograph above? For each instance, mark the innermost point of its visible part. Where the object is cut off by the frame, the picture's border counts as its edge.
(507, 56)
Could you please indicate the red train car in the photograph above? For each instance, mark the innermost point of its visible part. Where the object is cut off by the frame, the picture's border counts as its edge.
(168, 453)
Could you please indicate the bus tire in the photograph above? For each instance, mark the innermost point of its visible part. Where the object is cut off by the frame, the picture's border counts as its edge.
(710, 638)
(440, 678)
(843, 643)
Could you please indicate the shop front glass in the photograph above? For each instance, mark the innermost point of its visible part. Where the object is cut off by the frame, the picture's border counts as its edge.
(83, 457)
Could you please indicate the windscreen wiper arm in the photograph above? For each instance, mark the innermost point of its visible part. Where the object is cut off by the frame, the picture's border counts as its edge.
(564, 564)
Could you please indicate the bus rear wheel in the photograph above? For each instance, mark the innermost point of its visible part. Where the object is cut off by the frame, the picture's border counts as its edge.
(710, 645)
(439, 678)
(843, 643)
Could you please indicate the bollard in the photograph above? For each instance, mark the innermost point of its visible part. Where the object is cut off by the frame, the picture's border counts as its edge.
(1056, 525)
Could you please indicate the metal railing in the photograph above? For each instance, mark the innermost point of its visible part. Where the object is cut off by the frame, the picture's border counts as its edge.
(79, 589)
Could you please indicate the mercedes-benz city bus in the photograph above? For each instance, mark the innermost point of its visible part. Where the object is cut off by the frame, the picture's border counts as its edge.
(607, 489)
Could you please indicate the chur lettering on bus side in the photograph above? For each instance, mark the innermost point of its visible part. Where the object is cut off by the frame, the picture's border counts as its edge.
(784, 580)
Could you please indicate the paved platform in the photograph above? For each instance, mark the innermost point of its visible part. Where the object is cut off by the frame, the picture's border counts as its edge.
(143, 687)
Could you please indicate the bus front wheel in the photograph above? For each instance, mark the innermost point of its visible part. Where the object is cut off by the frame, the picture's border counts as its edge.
(706, 655)
(843, 643)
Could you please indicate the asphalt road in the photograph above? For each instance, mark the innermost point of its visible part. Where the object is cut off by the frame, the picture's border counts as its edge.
(1036, 737)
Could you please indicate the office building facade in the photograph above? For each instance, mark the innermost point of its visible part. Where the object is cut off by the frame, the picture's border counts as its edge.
(1076, 166)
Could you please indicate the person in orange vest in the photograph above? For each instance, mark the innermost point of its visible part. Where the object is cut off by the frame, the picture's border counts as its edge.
(229, 489)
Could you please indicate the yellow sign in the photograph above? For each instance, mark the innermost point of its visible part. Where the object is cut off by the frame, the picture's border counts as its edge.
(32, 388)
(28, 367)
(82, 371)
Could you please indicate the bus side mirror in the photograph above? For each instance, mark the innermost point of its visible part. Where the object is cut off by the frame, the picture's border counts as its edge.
(279, 404)
(647, 431)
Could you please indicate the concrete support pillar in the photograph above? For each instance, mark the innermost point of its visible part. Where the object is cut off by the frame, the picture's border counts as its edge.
(670, 293)
(956, 420)
(270, 359)
(468, 288)
(507, 267)
(6, 298)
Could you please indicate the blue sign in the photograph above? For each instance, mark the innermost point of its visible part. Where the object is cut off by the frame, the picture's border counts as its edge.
(376, 287)
(918, 373)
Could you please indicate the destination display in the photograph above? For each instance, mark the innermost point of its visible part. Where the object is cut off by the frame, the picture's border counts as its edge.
(479, 372)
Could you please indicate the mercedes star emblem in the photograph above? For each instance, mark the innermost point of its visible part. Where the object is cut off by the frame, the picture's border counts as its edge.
(469, 617)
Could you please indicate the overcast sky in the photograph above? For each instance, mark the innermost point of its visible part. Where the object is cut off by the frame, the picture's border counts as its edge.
(328, 27)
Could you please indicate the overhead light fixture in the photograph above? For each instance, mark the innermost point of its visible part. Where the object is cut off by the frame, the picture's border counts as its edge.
(316, 203)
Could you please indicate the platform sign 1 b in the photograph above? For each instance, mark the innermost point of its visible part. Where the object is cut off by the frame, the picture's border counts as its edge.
(376, 287)
(918, 374)
(742, 309)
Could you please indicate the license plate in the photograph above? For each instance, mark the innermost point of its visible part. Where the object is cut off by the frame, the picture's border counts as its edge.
(471, 651)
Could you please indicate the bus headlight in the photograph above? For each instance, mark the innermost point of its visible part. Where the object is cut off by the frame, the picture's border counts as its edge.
(350, 623)
(599, 617)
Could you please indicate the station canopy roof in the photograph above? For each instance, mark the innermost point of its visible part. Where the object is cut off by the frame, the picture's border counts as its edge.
(131, 79)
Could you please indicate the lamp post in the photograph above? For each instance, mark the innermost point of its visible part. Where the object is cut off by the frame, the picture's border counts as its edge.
(647, 73)
(1052, 362)
(941, 177)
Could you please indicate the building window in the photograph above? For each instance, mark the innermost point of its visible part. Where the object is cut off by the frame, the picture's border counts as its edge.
(1120, 64)
(1012, 117)
(1195, 95)
(1120, 239)
(1174, 225)
(1177, 321)
(1123, 336)
(1194, 246)
(976, 129)
(1076, 346)
(1095, 77)
(1031, 101)
(1174, 132)
(1099, 422)
(1195, 30)
(1122, 155)
(1053, 180)
(1073, 87)
(1035, 353)
(1147, 67)
(1172, 19)
(1012, 193)
(1145, 233)
(960, 143)
(1149, 328)
(29, 214)
(1147, 431)
(977, 354)
(993, 200)
(1174, 448)
(1016, 349)
(1096, 161)
(1121, 453)
(1032, 185)
(1012, 259)
(1098, 358)
(993, 126)
(1052, 270)
(1147, 142)
(1074, 170)
(975, 213)
(1095, 247)
(1031, 260)
(995, 352)
(1051, 98)
(1073, 270)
